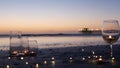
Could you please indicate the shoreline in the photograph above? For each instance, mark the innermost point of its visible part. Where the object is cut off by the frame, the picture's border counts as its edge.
(87, 34)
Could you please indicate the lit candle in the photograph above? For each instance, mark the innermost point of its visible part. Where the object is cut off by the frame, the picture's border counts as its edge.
(8, 66)
(83, 58)
(100, 56)
(93, 52)
(8, 57)
(113, 58)
(70, 58)
(83, 50)
(25, 51)
(100, 59)
(96, 56)
(89, 57)
(53, 62)
(110, 36)
(26, 63)
(45, 62)
(21, 58)
(37, 65)
(53, 58)
(32, 52)
(14, 52)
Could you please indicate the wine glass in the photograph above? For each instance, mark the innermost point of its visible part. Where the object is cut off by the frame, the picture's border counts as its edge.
(110, 33)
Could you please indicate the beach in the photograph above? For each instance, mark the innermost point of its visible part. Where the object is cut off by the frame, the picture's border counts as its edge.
(64, 52)
(69, 57)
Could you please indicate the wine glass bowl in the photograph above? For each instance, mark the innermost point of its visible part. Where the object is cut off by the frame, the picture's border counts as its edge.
(110, 33)
(110, 38)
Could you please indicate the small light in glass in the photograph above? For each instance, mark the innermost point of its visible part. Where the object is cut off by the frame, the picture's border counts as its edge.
(93, 52)
(25, 51)
(53, 62)
(45, 62)
(14, 52)
(89, 57)
(21, 58)
(37, 66)
(100, 56)
(32, 52)
(7, 66)
(83, 50)
(26, 62)
(113, 58)
(100, 59)
(110, 36)
(96, 56)
(9, 58)
(70, 58)
(83, 58)
(52, 58)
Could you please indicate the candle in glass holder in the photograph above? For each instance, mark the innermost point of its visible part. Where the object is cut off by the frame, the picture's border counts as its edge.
(83, 58)
(70, 58)
(21, 58)
(89, 57)
(53, 62)
(100, 56)
(8, 66)
(37, 65)
(113, 58)
(96, 56)
(25, 51)
(26, 62)
(14, 52)
(93, 52)
(45, 62)
(8, 57)
(83, 50)
(52, 58)
(100, 59)
(110, 36)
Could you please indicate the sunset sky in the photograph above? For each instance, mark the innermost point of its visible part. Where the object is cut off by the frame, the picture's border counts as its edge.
(55, 16)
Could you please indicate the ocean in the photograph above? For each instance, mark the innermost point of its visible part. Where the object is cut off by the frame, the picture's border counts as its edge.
(61, 41)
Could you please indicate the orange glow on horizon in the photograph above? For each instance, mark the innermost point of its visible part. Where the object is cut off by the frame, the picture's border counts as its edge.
(46, 26)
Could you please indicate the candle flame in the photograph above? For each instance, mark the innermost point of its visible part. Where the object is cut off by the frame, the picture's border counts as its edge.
(100, 59)
(110, 36)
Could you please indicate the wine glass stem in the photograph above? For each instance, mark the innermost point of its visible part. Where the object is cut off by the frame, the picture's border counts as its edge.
(111, 51)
